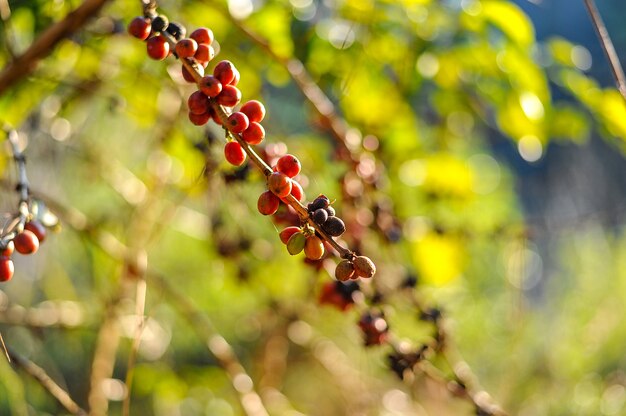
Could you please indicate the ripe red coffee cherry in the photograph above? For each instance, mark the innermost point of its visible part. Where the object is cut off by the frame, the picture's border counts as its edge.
(199, 119)
(254, 134)
(313, 248)
(237, 122)
(198, 103)
(202, 35)
(36, 228)
(254, 109)
(26, 242)
(297, 191)
(289, 165)
(6, 269)
(8, 250)
(204, 54)
(229, 97)
(210, 86)
(287, 233)
(268, 203)
(235, 80)
(279, 184)
(186, 48)
(158, 48)
(234, 153)
(139, 27)
(225, 72)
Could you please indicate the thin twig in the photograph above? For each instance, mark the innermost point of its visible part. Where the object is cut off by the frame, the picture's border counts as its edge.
(140, 307)
(46, 382)
(17, 224)
(607, 46)
(26, 63)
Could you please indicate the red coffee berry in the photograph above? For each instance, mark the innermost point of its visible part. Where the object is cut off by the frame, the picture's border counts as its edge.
(6, 269)
(234, 153)
(297, 191)
(229, 97)
(198, 103)
(204, 54)
(313, 248)
(210, 86)
(287, 232)
(216, 118)
(8, 250)
(36, 228)
(255, 110)
(202, 35)
(199, 119)
(225, 72)
(187, 75)
(254, 134)
(26, 242)
(268, 203)
(237, 122)
(139, 27)
(289, 165)
(279, 184)
(158, 48)
(186, 48)
(235, 80)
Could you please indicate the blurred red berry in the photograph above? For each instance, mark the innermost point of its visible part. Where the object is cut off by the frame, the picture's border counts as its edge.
(268, 203)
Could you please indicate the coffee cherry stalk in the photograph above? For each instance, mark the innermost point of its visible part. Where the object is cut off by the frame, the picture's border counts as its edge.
(215, 100)
(25, 230)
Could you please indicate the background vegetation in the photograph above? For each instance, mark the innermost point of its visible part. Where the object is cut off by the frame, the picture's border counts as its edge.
(466, 177)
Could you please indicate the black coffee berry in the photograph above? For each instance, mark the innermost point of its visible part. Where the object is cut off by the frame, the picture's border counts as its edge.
(330, 210)
(320, 202)
(320, 216)
(160, 23)
(334, 226)
(177, 30)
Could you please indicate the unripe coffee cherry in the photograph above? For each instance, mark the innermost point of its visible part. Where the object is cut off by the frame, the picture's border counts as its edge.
(186, 48)
(344, 270)
(334, 226)
(313, 248)
(6, 269)
(210, 86)
(320, 216)
(26, 242)
(287, 233)
(140, 27)
(279, 184)
(268, 203)
(160, 23)
(202, 35)
(296, 243)
(234, 153)
(254, 134)
(289, 165)
(237, 122)
(254, 110)
(36, 228)
(364, 267)
(157, 48)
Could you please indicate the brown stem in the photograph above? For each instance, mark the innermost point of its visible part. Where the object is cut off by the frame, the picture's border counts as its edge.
(26, 63)
(17, 225)
(607, 46)
(46, 382)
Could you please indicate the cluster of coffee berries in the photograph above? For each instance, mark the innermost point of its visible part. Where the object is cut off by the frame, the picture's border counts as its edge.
(324, 215)
(280, 184)
(26, 242)
(338, 294)
(300, 239)
(374, 328)
(358, 266)
(155, 32)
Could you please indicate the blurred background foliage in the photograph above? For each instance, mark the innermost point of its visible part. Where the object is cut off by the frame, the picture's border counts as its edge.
(499, 184)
